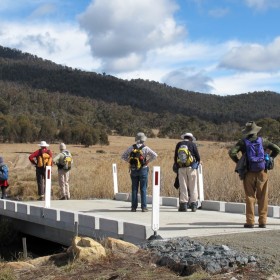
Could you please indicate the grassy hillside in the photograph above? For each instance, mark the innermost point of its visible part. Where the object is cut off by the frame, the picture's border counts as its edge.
(87, 103)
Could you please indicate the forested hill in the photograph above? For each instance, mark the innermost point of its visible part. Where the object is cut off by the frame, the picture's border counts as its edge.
(178, 108)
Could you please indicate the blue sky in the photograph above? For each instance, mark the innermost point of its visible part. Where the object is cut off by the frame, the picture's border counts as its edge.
(222, 47)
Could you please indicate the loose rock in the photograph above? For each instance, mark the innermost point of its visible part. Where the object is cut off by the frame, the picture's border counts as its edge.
(187, 256)
(86, 249)
(120, 247)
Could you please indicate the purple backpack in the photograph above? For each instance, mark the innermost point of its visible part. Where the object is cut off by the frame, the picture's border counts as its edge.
(255, 155)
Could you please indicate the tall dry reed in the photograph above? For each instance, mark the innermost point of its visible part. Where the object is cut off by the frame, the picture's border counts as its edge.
(92, 176)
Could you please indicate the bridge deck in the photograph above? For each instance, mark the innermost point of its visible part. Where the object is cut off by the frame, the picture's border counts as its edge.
(100, 218)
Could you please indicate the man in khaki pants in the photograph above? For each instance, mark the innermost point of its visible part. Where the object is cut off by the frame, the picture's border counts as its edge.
(188, 194)
(63, 161)
(256, 178)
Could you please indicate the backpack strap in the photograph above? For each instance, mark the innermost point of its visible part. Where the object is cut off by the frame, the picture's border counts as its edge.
(140, 148)
(46, 152)
(2, 166)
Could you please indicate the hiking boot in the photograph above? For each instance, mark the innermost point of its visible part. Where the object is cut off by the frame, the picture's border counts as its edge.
(63, 198)
(193, 206)
(133, 209)
(41, 198)
(145, 210)
(262, 226)
(248, 226)
(183, 207)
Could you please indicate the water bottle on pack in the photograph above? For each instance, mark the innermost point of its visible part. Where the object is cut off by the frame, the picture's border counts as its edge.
(267, 161)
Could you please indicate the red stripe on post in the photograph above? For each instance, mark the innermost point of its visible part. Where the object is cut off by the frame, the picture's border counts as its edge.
(49, 174)
(156, 178)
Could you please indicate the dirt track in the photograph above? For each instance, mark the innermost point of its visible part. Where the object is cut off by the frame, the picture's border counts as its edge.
(21, 161)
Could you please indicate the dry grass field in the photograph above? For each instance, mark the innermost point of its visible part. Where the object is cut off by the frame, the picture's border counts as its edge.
(91, 175)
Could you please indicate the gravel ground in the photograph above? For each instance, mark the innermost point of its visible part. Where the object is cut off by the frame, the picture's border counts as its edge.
(262, 244)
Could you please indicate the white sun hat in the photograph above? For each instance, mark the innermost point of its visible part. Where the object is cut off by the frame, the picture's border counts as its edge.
(188, 134)
(43, 144)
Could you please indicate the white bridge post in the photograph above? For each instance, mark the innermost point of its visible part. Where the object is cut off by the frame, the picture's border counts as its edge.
(155, 203)
(200, 184)
(115, 178)
(48, 186)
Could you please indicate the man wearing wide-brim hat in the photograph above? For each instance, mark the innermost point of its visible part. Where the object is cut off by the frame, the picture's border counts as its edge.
(255, 180)
(40, 159)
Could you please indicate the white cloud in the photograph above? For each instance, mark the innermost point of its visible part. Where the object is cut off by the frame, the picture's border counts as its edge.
(245, 82)
(253, 57)
(184, 52)
(55, 42)
(120, 30)
(130, 62)
(189, 79)
(263, 4)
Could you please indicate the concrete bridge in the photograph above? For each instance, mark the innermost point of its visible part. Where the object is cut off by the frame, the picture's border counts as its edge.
(102, 218)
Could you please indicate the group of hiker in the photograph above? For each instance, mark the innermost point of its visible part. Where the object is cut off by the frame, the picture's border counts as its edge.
(186, 159)
(257, 157)
(41, 158)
